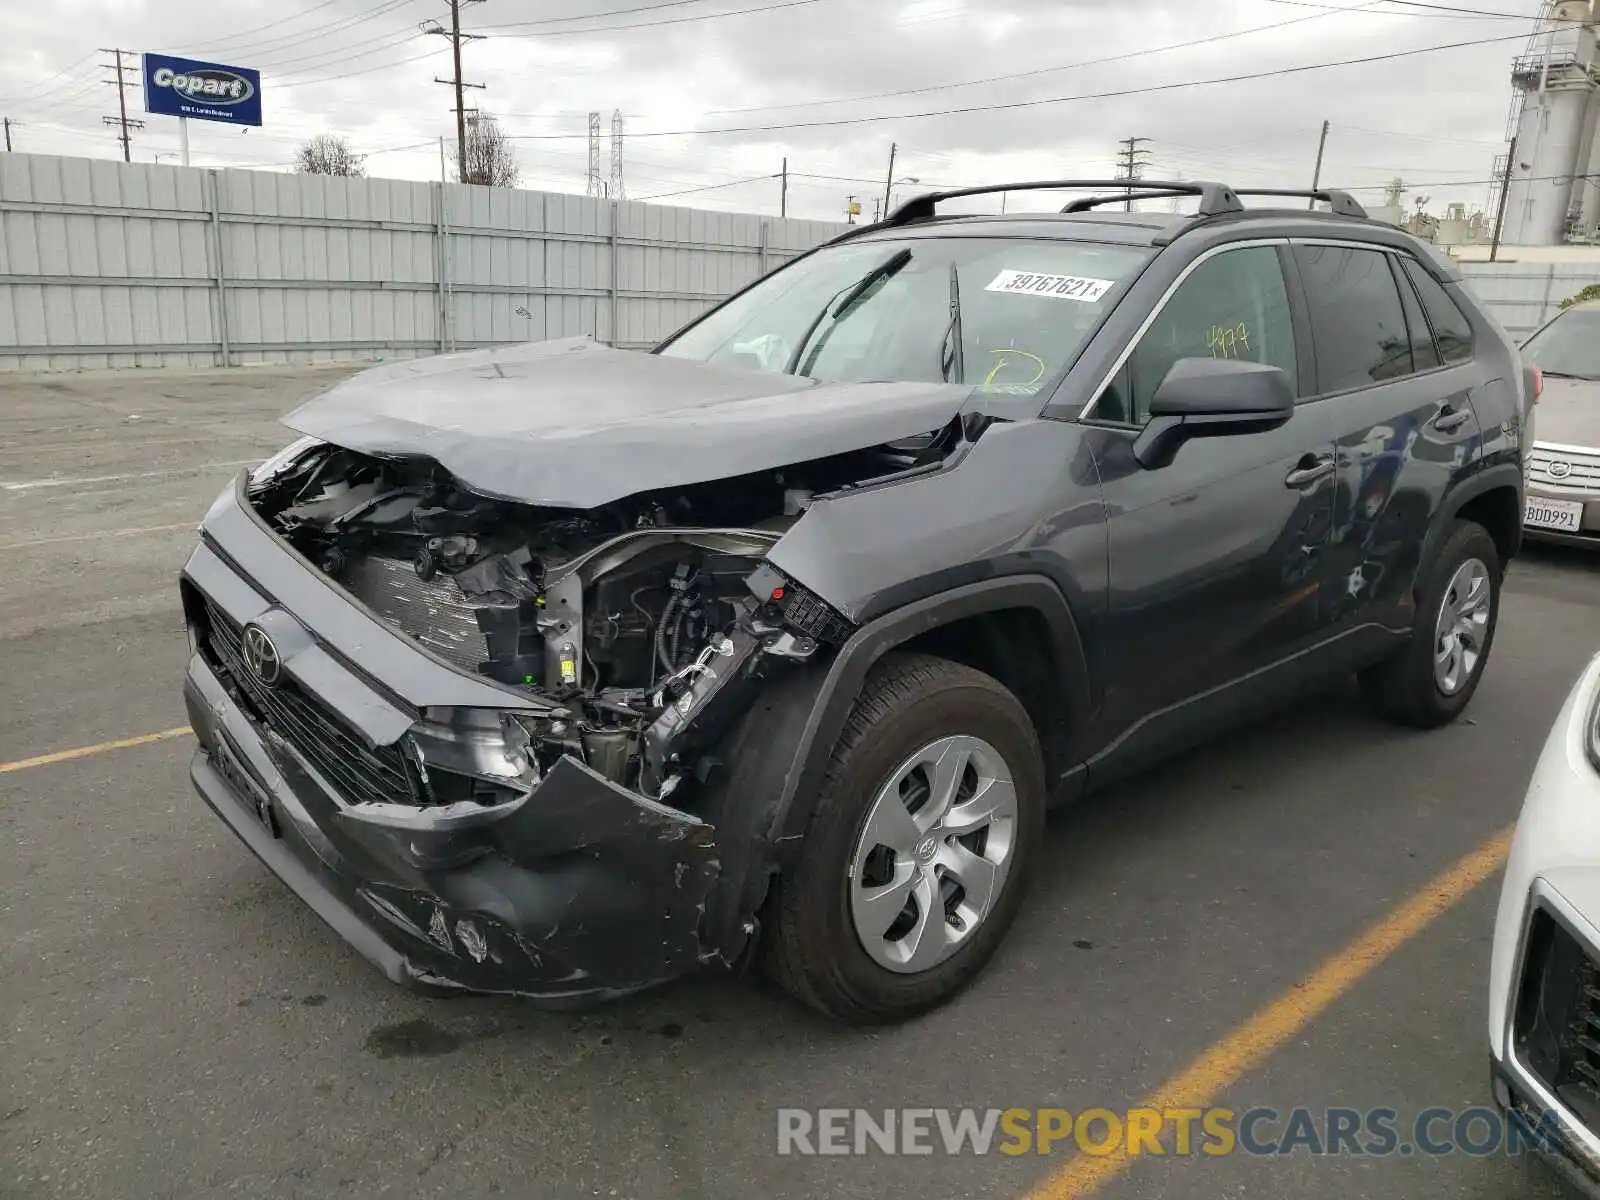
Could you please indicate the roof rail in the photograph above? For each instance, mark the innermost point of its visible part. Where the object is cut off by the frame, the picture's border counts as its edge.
(1342, 203)
(1215, 198)
(1086, 203)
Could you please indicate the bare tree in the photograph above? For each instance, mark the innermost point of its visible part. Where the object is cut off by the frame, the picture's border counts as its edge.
(326, 154)
(490, 158)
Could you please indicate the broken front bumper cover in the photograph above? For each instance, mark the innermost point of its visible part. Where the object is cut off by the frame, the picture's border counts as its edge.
(578, 892)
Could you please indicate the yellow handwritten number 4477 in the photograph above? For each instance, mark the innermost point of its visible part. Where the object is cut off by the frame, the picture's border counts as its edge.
(1226, 341)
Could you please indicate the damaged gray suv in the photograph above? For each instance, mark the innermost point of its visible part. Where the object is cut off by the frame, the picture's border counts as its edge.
(560, 671)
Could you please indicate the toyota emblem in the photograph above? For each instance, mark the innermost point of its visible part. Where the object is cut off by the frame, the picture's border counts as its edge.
(1559, 468)
(261, 655)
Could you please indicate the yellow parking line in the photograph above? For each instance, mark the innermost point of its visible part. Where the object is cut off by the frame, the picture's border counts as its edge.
(45, 760)
(1197, 1085)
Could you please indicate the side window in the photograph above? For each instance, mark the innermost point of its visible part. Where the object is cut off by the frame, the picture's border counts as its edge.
(1450, 324)
(1235, 305)
(1424, 354)
(1356, 317)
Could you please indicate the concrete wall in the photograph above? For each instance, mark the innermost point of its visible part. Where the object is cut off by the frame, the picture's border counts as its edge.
(106, 264)
(1524, 295)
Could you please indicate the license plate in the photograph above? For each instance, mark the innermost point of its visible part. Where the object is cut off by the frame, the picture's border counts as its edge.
(1554, 514)
(251, 796)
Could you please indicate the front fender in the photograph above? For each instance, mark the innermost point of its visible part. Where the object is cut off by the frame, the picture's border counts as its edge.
(777, 755)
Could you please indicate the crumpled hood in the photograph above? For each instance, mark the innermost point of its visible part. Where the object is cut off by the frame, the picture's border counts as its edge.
(1568, 412)
(575, 424)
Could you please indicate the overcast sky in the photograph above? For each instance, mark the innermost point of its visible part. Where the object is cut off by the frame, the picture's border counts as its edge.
(817, 70)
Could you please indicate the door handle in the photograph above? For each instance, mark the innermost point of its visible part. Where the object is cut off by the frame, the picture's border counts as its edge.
(1310, 469)
(1451, 418)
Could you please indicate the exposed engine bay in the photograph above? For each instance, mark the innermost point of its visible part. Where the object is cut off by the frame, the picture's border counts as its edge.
(644, 623)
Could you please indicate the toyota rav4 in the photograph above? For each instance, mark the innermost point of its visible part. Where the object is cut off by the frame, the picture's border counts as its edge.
(559, 670)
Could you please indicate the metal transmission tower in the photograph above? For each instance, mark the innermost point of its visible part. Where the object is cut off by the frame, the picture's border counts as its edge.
(119, 80)
(596, 184)
(617, 192)
(456, 37)
(1131, 162)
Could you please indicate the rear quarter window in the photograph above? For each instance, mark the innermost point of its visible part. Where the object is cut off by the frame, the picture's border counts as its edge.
(1451, 329)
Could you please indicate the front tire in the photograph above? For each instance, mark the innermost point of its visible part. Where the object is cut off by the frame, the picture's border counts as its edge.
(915, 861)
(1458, 607)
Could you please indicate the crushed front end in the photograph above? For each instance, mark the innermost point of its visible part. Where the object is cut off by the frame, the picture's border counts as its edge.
(480, 738)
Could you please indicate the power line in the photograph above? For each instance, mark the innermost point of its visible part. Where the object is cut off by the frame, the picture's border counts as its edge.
(614, 12)
(1072, 66)
(49, 79)
(1011, 105)
(1440, 11)
(240, 46)
(716, 16)
(711, 187)
(1418, 137)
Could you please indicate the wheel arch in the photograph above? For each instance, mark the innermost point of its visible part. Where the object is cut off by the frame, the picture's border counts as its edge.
(778, 754)
(1491, 498)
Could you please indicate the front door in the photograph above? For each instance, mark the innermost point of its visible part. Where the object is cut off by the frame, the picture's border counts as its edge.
(1216, 559)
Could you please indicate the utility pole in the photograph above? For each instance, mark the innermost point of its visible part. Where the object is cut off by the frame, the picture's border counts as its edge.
(783, 191)
(8, 124)
(456, 37)
(1500, 208)
(617, 191)
(596, 185)
(1316, 174)
(851, 208)
(1132, 160)
(119, 80)
(888, 180)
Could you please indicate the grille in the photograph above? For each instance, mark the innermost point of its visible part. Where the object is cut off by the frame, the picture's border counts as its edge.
(336, 751)
(432, 611)
(1583, 469)
(1557, 1020)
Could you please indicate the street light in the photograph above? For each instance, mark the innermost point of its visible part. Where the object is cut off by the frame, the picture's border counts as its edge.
(893, 200)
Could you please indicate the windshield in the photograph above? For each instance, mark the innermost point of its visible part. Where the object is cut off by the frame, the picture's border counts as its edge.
(1023, 308)
(1569, 345)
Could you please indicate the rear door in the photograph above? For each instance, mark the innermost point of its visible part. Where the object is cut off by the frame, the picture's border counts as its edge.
(1400, 406)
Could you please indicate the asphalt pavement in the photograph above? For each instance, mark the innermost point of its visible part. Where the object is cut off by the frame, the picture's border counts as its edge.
(173, 1022)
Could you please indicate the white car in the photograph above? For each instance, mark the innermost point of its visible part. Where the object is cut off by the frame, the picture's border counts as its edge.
(1544, 1001)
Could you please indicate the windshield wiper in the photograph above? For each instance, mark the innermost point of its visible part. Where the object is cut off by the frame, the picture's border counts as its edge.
(845, 299)
(953, 364)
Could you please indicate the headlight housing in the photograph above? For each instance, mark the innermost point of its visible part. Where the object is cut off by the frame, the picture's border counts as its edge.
(283, 458)
(478, 755)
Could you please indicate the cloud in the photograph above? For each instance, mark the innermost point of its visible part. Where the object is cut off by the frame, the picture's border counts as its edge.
(366, 70)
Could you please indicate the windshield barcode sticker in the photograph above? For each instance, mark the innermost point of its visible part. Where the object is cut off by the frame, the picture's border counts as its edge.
(1059, 287)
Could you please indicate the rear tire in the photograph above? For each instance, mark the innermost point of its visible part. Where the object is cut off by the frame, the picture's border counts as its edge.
(930, 747)
(1433, 679)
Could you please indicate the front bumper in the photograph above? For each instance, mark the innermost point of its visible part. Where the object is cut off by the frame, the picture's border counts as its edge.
(1557, 1142)
(1544, 1001)
(579, 893)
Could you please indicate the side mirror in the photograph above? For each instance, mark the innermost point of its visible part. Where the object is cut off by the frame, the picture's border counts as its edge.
(1212, 397)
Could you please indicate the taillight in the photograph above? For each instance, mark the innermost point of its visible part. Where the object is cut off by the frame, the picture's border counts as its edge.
(1538, 384)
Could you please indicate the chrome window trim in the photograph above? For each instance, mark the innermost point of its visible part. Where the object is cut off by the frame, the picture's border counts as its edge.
(1086, 413)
